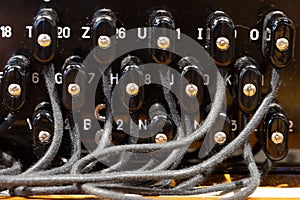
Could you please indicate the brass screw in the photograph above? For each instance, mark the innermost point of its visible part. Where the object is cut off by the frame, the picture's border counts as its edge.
(163, 42)
(44, 40)
(74, 89)
(220, 137)
(44, 136)
(249, 89)
(223, 43)
(277, 137)
(104, 42)
(191, 90)
(97, 111)
(14, 89)
(282, 44)
(132, 89)
(161, 138)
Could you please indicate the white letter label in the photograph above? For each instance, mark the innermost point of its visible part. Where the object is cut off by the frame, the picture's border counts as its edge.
(142, 34)
(87, 124)
(112, 78)
(143, 125)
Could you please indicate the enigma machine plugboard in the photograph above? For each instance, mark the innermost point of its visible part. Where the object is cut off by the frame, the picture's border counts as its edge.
(148, 97)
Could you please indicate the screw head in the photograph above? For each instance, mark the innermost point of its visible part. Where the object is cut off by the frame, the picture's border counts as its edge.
(282, 44)
(222, 43)
(74, 89)
(98, 109)
(277, 137)
(163, 42)
(44, 40)
(249, 89)
(132, 89)
(44, 136)
(161, 138)
(104, 41)
(220, 137)
(191, 90)
(14, 89)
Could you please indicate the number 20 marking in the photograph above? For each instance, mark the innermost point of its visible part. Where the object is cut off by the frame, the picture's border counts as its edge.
(64, 32)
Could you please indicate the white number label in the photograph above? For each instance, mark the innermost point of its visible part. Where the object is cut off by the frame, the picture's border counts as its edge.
(92, 75)
(64, 32)
(120, 124)
(254, 34)
(233, 125)
(147, 79)
(291, 125)
(1, 76)
(35, 77)
(178, 33)
(206, 79)
(6, 31)
(121, 32)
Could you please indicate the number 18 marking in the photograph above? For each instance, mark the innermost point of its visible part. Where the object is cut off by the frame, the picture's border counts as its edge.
(6, 31)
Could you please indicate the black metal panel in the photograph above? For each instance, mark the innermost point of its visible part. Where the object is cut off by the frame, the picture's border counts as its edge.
(188, 16)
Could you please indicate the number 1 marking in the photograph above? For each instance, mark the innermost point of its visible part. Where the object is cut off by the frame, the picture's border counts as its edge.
(29, 123)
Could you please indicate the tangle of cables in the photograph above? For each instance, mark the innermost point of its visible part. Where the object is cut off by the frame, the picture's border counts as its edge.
(78, 174)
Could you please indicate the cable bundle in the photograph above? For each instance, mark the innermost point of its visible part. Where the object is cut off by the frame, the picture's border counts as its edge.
(77, 175)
